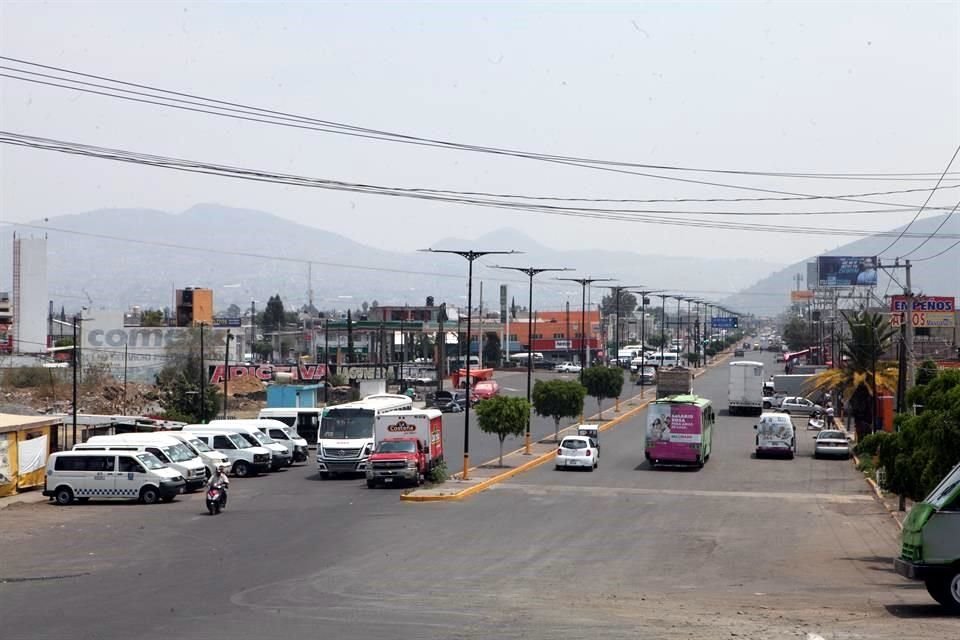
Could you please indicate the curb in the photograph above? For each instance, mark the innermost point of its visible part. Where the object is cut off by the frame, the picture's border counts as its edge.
(878, 494)
(531, 464)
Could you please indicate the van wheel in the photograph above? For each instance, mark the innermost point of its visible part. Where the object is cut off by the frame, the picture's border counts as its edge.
(63, 496)
(206, 472)
(149, 495)
(241, 469)
(946, 591)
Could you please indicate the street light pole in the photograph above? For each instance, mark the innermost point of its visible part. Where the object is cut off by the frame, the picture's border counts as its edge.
(584, 283)
(203, 382)
(530, 272)
(469, 256)
(226, 371)
(76, 364)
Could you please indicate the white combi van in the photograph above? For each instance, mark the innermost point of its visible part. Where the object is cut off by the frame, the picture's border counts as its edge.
(776, 435)
(82, 475)
(284, 435)
(305, 421)
(169, 451)
(250, 429)
(211, 457)
(245, 459)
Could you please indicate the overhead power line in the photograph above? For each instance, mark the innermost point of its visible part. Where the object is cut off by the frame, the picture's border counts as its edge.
(190, 166)
(943, 222)
(925, 203)
(189, 101)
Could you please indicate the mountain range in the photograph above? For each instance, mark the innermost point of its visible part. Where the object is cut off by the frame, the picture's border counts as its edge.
(938, 276)
(115, 258)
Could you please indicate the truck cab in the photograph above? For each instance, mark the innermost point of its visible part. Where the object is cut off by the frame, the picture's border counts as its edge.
(931, 543)
(397, 459)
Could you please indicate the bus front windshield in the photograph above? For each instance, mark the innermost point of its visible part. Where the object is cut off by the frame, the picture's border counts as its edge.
(346, 424)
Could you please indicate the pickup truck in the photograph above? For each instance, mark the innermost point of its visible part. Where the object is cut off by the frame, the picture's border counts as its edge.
(409, 446)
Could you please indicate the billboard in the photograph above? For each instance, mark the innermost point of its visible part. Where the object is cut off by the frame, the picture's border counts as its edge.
(846, 271)
(804, 295)
(928, 311)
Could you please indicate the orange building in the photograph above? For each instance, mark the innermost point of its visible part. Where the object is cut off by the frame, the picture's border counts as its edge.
(194, 306)
(558, 331)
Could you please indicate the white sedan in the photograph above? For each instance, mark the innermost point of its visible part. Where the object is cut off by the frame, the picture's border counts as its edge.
(578, 451)
(568, 367)
(832, 444)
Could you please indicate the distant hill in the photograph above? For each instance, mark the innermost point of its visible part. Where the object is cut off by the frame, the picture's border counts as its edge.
(269, 254)
(939, 276)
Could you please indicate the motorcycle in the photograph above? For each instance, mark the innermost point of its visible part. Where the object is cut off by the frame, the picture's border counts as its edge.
(216, 499)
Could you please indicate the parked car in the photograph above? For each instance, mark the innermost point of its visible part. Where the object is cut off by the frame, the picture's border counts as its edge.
(485, 389)
(799, 406)
(577, 451)
(831, 444)
(568, 367)
(449, 401)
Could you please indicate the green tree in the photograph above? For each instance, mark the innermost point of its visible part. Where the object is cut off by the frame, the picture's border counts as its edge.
(151, 318)
(799, 334)
(926, 372)
(503, 416)
(602, 382)
(262, 348)
(491, 349)
(233, 311)
(656, 340)
(926, 446)
(558, 399)
(179, 381)
(273, 316)
(628, 303)
(862, 373)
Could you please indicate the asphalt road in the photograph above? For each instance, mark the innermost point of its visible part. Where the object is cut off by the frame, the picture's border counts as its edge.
(742, 548)
(485, 447)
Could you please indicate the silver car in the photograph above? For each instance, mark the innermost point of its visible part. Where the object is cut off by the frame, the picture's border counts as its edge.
(800, 406)
(832, 444)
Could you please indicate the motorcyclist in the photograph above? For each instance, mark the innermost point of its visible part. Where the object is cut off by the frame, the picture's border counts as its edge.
(219, 479)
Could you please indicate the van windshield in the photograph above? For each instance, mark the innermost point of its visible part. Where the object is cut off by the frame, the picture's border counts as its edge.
(941, 495)
(200, 445)
(150, 461)
(239, 441)
(179, 453)
(263, 438)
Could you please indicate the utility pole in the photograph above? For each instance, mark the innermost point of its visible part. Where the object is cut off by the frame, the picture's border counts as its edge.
(203, 382)
(76, 365)
(226, 371)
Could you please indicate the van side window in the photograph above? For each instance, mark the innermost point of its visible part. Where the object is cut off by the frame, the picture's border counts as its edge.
(276, 434)
(129, 465)
(93, 463)
(222, 442)
(71, 463)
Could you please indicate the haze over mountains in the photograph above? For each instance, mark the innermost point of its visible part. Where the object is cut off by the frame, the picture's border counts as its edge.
(268, 255)
(936, 277)
(249, 255)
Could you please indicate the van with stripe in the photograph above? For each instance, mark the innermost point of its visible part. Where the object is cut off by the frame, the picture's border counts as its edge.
(134, 475)
(170, 451)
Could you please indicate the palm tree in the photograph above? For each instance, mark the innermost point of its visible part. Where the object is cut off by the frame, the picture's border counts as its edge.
(861, 372)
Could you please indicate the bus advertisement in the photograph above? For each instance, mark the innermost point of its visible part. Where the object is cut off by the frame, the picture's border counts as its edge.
(679, 431)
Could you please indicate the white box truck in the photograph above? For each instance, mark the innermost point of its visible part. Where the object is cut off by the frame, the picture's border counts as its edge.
(745, 393)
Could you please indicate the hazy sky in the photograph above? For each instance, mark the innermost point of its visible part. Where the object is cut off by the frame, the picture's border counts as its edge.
(786, 87)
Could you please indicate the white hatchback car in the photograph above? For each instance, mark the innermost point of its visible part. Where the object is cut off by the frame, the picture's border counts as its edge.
(567, 367)
(578, 451)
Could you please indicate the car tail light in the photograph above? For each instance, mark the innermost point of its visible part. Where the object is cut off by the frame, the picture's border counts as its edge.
(586, 452)
(559, 452)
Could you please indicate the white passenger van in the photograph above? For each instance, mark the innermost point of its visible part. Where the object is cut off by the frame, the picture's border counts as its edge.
(245, 459)
(305, 421)
(280, 456)
(284, 435)
(211, 457)
(169, 451)
(82, 475)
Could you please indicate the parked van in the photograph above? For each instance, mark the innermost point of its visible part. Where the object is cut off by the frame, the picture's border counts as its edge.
(304, 420)
(211, 457)
(170, 451)
(285, 436)
(250, 429)
(245, 459)
(776, 435)
(82, 475)
(931, 543)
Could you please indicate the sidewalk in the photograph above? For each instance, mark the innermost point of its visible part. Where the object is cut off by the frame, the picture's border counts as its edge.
(24, 497)
(516, 462)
